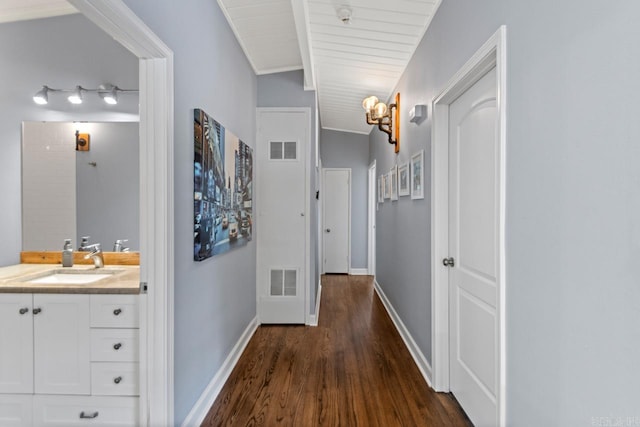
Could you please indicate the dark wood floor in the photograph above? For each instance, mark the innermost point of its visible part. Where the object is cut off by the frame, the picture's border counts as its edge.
(353, 369)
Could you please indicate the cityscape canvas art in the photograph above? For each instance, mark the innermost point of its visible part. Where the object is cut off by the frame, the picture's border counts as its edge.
(222, 196)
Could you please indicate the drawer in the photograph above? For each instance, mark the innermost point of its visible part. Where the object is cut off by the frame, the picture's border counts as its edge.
(68, 411)
(16, 410)
(114, 345)
(115, 379)
(114, 311)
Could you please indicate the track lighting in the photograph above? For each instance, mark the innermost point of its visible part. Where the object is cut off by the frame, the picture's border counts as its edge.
(42, 96)
(107, 91)
(76, 96)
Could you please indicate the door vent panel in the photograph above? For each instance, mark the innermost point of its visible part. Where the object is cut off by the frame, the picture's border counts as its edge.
(279, 150)
(283, 283)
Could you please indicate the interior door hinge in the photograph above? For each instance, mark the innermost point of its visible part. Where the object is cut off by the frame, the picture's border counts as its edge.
(143, 287)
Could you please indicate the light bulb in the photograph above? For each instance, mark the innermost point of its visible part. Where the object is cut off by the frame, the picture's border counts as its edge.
(380, 110)
(369, 103)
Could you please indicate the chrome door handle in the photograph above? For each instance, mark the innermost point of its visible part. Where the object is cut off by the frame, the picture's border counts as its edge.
(23, 310)
(448, 262)
(94, 415)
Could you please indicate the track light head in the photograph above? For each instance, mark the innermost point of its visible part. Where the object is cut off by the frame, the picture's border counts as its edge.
(109, 93)
(76, 96)
(42, 96)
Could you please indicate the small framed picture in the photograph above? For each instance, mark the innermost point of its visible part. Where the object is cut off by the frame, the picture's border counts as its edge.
(403, 180)
(380, 189)
(393, 173)
(417, 175)
(387, 185)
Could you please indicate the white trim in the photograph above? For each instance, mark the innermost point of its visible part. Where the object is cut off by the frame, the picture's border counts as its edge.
(301, 20)
(315, 318)
(156, 200)
(201, 408)
(491, 54)
(307, 204)
(416, 354)
(348, 222)
(372, 201)
(36, 11)
(278, 70)
(359, 271)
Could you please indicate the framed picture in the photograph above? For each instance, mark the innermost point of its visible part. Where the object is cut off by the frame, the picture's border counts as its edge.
(393, 174)
(380, 189)
(387, 185)
(417, 175)
(403, 180)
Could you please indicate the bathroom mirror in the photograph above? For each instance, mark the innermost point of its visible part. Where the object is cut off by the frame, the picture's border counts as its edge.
(80, 185)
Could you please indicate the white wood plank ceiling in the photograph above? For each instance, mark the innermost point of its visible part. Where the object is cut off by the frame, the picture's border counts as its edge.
(344, 62)
(18, 10)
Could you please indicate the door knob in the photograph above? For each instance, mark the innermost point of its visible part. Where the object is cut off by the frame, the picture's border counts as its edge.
(23, 310)
(328, 230)
(448, 262)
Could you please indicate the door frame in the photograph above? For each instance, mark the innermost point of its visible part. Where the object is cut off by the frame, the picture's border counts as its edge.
(372, 202)
(324, 186)
(308, 316)
(156, 200)
(491, 54)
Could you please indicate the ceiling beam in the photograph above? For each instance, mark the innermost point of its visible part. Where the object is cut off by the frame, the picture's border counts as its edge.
(301, 18)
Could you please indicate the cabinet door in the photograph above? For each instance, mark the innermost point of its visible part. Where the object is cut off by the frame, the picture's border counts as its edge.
(16, 410)
(16, 343)
(61, 341)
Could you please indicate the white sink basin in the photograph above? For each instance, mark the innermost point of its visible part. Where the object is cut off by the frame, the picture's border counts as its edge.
(72, 277)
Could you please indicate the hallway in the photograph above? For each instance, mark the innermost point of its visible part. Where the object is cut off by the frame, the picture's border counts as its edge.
(351, 370)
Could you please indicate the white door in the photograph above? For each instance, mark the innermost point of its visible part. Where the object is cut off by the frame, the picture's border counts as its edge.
(282, 144)
(61, 342)
(473, 227)
(337, 220)
(16, 344)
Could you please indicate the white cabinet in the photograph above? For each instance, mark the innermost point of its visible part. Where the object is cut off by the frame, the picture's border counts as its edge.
(62, 363)
(69, 360)
(44, 344)
(16, 348)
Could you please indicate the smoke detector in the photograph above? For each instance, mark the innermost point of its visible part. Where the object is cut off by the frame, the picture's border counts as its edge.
(344, 14)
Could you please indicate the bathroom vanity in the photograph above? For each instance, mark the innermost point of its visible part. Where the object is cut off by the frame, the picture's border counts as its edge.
(69, 345)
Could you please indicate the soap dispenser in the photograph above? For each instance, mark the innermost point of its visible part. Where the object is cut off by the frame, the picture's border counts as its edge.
(67, 254)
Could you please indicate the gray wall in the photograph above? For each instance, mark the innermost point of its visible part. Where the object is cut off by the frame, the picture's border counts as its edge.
(108, 194)
(48, 51)
(573, 206)
(286, 90)
(215, 300)
(351, 150)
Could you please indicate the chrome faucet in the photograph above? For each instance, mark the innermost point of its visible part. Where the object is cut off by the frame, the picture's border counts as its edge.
(84, 244)
(95, 253)
(119, 246)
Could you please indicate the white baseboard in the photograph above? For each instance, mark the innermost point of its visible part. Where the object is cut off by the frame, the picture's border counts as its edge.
(201, 408)
(418, 357)
(358, 271)
(313, 319)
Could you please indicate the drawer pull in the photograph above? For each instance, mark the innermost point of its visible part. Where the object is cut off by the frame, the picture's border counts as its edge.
(24, 310)
(117, 312)
(37, 310)
(117, 346)
(117, 380)
(90, 416)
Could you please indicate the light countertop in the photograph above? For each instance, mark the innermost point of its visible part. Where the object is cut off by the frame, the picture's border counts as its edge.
(14, 279)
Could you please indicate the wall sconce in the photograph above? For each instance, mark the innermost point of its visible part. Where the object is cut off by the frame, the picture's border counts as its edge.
(108, 93)
(384, 117)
